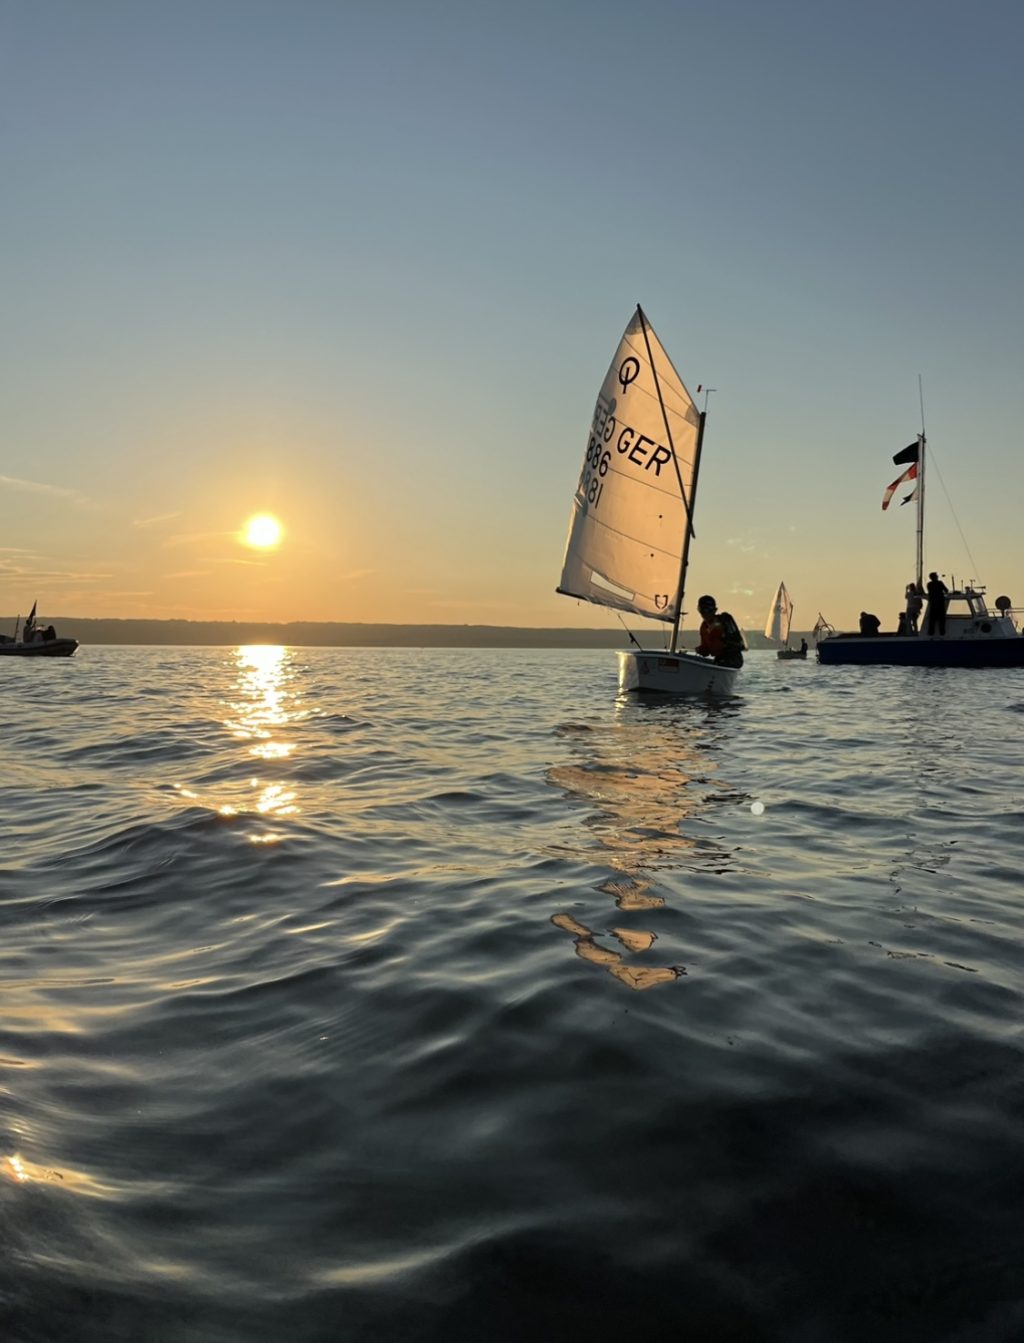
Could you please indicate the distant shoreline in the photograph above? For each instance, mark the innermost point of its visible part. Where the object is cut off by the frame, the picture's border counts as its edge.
(331, 634)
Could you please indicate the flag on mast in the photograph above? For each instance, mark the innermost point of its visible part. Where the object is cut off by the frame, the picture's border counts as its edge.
(909, 474)
(911, 453)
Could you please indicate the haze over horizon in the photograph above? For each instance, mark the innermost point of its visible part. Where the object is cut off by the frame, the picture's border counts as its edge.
(361, 271)
(112, 631)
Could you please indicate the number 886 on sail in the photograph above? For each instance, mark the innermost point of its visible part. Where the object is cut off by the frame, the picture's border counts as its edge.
(595, 468)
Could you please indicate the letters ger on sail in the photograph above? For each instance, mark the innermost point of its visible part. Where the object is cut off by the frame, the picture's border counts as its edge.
(630, 508)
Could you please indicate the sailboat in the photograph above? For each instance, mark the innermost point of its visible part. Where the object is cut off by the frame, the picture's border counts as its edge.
(777, 626)
(967, 633)
(632, 513)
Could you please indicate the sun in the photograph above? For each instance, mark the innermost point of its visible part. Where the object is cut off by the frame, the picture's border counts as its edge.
(262, 531)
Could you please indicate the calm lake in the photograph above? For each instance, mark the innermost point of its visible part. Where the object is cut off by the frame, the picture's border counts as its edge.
(442, 994)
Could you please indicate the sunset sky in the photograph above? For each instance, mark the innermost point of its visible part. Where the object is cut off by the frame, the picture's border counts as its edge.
(361, 267)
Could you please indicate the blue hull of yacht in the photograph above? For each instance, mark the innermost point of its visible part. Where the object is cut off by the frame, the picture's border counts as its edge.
(893, 650)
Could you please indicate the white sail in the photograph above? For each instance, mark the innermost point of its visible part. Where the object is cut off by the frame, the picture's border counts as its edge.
(629, 513)
(780, 616)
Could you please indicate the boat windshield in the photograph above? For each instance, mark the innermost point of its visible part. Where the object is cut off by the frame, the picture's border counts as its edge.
(966, 602)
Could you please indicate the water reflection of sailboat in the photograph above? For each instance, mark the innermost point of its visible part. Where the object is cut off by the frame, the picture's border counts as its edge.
(644, 772)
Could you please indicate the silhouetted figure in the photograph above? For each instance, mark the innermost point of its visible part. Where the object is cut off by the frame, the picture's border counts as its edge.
(902, 623)
(914, 604)
(937, 594)
(869, 624)
(803, 648)
(720, 636)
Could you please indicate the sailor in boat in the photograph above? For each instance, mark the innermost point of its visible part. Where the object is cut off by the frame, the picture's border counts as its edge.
(720, 636)
(937, 595)
(803, 648)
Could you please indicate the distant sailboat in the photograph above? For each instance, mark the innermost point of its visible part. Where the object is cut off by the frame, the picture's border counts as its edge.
(777, 626)
(632, 513)
(822, 629)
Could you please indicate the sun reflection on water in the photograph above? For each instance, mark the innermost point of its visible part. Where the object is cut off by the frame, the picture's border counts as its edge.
(263, 710)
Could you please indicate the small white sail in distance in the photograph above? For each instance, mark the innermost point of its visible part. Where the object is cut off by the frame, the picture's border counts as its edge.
(780, 616)
(629, 512)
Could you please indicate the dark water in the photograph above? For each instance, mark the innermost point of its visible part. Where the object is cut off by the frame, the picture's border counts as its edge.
(422, 995)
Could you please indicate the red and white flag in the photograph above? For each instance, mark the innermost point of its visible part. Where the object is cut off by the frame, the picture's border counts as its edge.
(909, 474)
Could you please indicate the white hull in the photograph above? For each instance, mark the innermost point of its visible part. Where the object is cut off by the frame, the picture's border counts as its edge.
(674, 673)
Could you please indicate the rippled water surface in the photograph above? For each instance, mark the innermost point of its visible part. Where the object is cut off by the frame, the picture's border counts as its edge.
(427, 994)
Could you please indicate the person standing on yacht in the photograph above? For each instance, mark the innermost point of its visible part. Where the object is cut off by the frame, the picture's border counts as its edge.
(937, 594)
(914, 604)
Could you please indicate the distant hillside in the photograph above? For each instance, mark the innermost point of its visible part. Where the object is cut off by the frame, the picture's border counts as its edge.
(315, 634)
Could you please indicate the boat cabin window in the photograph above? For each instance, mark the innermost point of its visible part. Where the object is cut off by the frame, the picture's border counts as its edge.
(967, 604)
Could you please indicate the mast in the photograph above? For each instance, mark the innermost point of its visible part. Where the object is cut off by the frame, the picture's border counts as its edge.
(679, 479)
(685, 559)
(920, 511)
(921, 489)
